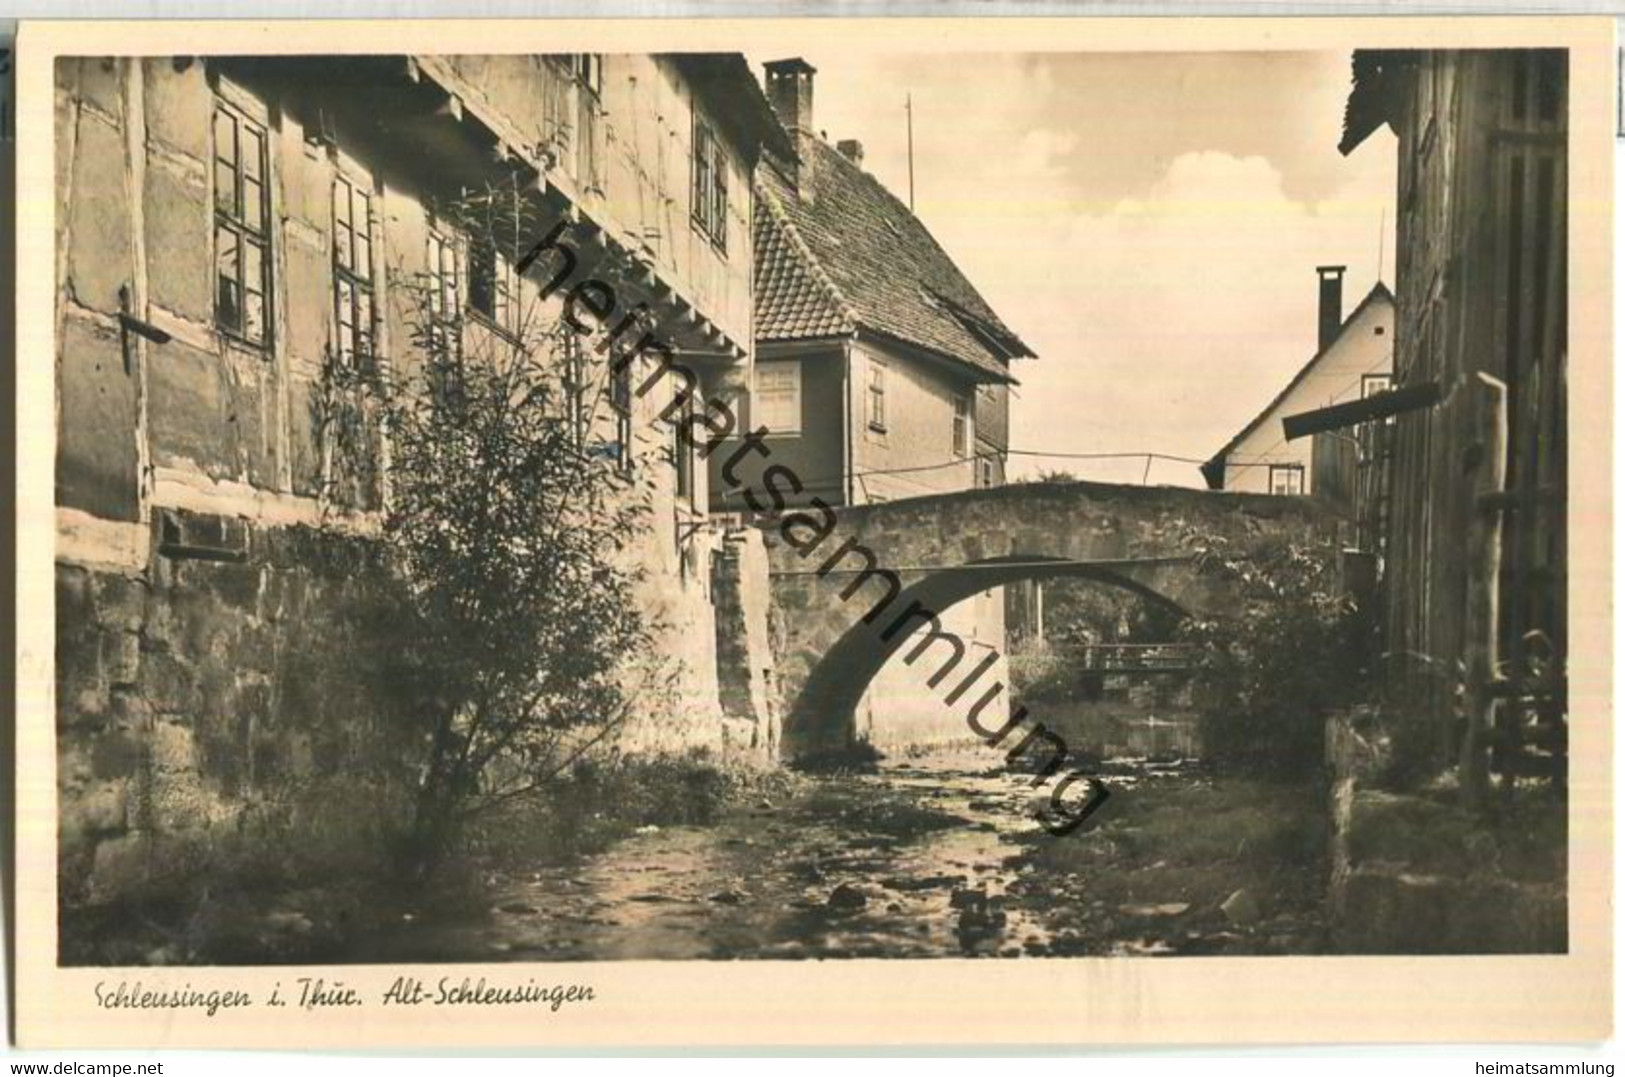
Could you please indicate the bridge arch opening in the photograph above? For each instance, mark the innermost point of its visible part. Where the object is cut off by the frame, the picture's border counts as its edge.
(957, 673)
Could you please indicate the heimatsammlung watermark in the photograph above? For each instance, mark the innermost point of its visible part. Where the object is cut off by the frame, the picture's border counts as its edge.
(704, 429)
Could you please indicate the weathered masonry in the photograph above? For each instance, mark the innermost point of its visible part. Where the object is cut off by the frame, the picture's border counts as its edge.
(234, 237)
(948, 548)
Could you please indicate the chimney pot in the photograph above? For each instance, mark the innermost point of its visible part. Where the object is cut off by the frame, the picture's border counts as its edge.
(790, 92)
(1331, 303)
(852, 150)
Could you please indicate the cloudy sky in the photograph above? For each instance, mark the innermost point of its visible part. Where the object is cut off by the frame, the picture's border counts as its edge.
(1149, 223)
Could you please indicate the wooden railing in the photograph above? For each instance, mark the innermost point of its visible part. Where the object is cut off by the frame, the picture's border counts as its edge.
(1138, 657)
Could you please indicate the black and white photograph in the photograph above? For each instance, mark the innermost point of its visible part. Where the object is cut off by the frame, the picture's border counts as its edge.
(806, 504)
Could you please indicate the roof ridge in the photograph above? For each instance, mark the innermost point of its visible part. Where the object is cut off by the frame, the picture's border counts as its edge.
(808, 258)
(897, 203)
(1379, 289)
(845, 260)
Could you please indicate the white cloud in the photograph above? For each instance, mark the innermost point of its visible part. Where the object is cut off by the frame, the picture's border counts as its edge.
(1163, 323)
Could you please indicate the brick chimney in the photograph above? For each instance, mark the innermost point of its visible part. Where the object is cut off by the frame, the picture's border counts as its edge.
(790, 91)
(852, 150)
(1331, 303)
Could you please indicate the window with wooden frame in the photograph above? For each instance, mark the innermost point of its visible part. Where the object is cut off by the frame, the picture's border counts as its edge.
(242, 213)
(355, 307)
(777, 398)
(588, 69)
(961, 424)
(620, 403)
(577, 396)
(682, 448)
(1372, 384)
(986, 475)
(877, 397)
(1286, 479)
(493, 286)
(710, 195)
(445, 298)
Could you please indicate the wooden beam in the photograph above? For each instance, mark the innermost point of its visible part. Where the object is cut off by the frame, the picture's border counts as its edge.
(1377, 406)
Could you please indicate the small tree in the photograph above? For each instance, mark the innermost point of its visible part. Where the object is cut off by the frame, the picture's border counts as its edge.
(513, 522)
(1293, 649)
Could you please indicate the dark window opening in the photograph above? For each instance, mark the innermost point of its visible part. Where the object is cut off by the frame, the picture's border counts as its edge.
(961, 426)
(445, 327)
(492, 285)
(588, 69)
(682, 451)
(355, 314)
(620, 402)
(577, 412)
(877, 397)
(241, 233)
(710, 194)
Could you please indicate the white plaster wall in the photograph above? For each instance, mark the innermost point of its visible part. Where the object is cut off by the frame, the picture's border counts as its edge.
(1366, 346)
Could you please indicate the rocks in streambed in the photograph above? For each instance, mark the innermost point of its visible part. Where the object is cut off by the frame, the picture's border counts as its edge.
(293, 922)
(1170, 908)
(1241, 908)
(874, 841)
(810, 870)
(981, 917)
(519, 908)
(847, 898)
(915, 883)
(729, 897)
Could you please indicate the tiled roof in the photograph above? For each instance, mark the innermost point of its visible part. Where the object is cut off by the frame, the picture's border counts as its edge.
(795, 299)
(853, 257)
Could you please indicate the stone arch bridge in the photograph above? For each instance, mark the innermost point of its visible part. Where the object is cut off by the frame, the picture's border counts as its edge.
(842, 605)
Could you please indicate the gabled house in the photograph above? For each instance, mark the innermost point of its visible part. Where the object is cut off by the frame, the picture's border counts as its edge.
(881, 372)
(1353, 360)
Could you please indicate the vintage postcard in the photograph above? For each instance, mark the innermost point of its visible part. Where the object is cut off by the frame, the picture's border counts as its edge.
(748, 532)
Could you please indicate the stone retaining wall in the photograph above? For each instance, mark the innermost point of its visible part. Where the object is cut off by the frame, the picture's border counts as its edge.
(1416, 874)
(243, 706)
(227, 713)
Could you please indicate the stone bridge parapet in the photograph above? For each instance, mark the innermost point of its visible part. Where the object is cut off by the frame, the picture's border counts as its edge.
(845, 580)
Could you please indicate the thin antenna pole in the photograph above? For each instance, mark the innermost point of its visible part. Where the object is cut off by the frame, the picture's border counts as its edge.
(908, 107)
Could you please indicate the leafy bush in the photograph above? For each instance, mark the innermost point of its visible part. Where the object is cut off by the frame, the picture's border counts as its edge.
(1041, 674)
(1268, 674)
(513, 516)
